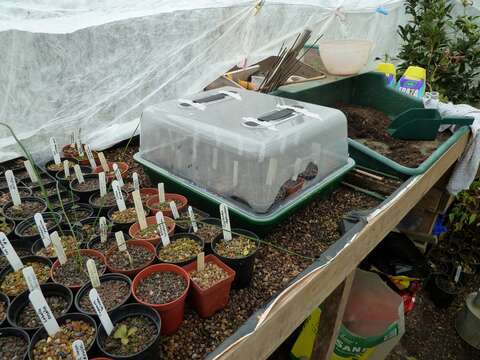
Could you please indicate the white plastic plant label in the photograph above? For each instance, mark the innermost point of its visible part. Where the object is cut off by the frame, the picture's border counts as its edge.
(101, 311)
(225, 217)
(103, 229)
(103, 162)
(79, 351)
(137, 200)
(30, 278)
(271, 172)
(58, 247)
(54, 149)
(66, 168)
(117, 191)
(78, 142)
(43, 312)
(72, 138)
(215, 159)
(201, 261)
(235, 173)
(42, 229)
(102, 181)
(191, 215)
(10, 253)
(162, 228)
(93, 273)
(30, 171)
(78, 173)
(118, 175)
(296, 169)
(458, 273)
(161, 192)
(90, 157)
(122, 246)
(136, 181)
(174, 210)
(12, 187)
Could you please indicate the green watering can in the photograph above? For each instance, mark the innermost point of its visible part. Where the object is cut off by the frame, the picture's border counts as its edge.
(422, 124)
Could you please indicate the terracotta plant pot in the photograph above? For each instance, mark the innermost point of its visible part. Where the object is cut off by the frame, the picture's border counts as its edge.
(144, 192)
(90, 253)
(151, 220)
(208, 301)
(135, 271)
(172, 312)
(84, 161)
(168, 197)
(122, 166)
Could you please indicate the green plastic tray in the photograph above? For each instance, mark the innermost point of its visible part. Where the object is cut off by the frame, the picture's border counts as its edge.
(259, 223)
(370, 90)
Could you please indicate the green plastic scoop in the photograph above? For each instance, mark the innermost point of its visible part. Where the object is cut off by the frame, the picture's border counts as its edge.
(422, 124)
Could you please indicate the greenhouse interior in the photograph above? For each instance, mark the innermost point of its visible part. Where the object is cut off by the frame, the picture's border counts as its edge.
(240, 179)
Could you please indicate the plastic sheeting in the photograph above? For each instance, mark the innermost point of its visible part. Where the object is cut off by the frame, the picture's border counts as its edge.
(96, 64)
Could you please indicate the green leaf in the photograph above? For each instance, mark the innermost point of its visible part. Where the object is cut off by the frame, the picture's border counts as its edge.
(472, 219)
(121, 332)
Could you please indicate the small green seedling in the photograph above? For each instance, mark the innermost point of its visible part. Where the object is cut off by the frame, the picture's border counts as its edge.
(123, 333)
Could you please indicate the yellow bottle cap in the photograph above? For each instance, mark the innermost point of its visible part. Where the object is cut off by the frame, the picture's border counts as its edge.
(416, 73)
(387, 68)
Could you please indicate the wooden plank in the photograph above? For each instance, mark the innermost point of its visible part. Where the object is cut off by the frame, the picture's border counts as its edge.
(294, 306)
(333, 309)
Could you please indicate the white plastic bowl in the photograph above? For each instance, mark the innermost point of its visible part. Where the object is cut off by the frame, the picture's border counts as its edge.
(345, 57)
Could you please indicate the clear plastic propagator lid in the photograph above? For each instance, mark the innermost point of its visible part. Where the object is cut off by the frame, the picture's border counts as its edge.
(254, 150)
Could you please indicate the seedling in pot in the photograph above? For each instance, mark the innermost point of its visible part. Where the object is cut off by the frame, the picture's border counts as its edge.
(22, 192)
(123, 215)
(207, 275)
(182, 247)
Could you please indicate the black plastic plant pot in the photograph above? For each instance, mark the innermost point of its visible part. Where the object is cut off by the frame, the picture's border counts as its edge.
(103, 210)
(95, 243)
(27, 228)
(60, 175)
(22, 247)
(44, 178)
(244, 266)
(182, 227)
(5, 300)
(38, 244)
(31, 258)
(41, 207)
(49, 190)
(42, 333)
(180, 236)
(116, 226)
(89, 232)
(10, 224)
(443, 291)
(76, 212)
(67, 197)
(22, 190)
(85, 289)
(208, 242)
(52, 169)
(22, 301)
(85, 194)
(10, 331)
(151, 350)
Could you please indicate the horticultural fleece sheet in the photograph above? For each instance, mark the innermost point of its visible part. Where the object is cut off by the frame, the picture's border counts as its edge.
(95, 64)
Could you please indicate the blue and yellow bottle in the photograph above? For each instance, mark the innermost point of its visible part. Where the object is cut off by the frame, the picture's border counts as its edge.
(390, 73)
(413, 82)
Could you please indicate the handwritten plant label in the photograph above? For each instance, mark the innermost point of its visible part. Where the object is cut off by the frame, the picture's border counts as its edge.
(101, 311)
(10, 253)
(12, 187)
(136, 181)
(117, 191)
(44, 312)
(72, 139)
(93, 273)
(90, 157)
(161, 192)
(191, 215)
(58, 247)
(103, 162)
(122, 246)
(458, 273)
(225, 217)
(79, 142)
(137, 200)
(78, 174)
(54, 149)
(42, 229)
(201, 261)
(103, 229)
(118, 175)
(162, 228)
(102, 180)
(66, 169)
(174, 210)
(30, 171)
(30, 278)
(79, 351)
